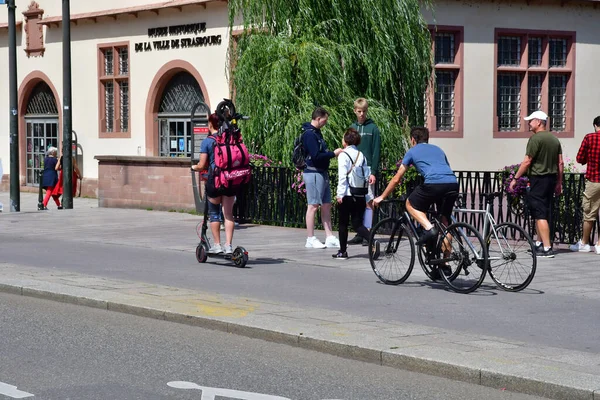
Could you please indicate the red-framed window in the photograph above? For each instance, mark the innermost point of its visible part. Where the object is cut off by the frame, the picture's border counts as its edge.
(114, 90)
(534, 70)
(444, 97)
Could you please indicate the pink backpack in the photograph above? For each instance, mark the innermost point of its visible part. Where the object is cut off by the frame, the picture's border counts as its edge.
(232, 160)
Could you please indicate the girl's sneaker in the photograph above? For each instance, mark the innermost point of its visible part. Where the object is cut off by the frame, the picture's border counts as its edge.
(215, 249)
(340, 255)
(332, 242)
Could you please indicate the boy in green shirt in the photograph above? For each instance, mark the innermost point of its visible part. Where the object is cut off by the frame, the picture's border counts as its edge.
(370, 146)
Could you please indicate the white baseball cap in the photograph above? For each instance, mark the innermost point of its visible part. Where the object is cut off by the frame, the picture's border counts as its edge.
(537, 115)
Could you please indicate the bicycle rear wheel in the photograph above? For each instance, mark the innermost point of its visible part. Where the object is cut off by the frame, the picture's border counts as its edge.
(391, 251)
(462, 248)
(511, 254)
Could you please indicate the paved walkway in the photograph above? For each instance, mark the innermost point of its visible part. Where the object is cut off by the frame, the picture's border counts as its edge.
(553, 372)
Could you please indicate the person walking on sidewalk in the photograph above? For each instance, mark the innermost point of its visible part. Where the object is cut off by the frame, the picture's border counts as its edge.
(370, 147)
(351, 208)
(217, 197)
(431, 162)
(589, 154)
(543, 163)
(316, 179)
(50, 177)
(58, 188)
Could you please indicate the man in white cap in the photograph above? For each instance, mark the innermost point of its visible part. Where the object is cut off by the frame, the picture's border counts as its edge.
(543, 164)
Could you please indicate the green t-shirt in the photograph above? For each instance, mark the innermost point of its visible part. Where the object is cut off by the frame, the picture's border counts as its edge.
(543, 148)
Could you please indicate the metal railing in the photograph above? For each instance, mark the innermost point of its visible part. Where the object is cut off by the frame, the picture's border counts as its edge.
(270, 199)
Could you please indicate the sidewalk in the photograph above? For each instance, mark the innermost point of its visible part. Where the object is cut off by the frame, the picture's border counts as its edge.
(491, 361)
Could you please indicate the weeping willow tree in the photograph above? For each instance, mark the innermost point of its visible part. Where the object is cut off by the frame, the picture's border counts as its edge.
(296, 54)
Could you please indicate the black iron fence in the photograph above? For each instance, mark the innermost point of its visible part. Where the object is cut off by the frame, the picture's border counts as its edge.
(274, 198)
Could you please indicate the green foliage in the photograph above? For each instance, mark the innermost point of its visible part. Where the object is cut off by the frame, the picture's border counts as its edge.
(410, 179)
(297, 54)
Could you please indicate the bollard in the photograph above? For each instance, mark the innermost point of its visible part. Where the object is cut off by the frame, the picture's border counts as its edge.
(41, 195)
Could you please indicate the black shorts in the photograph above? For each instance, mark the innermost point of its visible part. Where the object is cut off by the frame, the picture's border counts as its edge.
(540, 195)
(425, 195)
(213, 192)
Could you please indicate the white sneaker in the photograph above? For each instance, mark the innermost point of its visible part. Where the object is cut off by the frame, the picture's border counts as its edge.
(332, 242)
(597, 248)
(215, 249)
(227, 249)
(313, 242)
(579, 246)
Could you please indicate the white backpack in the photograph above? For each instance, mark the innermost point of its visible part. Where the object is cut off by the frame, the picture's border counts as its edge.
(358, 176)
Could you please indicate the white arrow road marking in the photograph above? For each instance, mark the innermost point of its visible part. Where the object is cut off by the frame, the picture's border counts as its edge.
(209, 393)
(11, 391)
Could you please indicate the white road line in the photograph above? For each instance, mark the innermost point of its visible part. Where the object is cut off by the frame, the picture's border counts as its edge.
(209, 393)
(12, 392)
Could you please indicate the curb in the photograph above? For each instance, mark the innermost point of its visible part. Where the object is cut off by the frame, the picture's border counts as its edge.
(476, 374)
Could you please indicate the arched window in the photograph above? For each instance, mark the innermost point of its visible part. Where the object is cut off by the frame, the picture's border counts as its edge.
(42, 101)
(179, 97)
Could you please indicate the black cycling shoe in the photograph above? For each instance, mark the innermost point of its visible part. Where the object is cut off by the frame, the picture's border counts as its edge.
(435, 274)
(356, 240)
(426, 236)
(445, 269)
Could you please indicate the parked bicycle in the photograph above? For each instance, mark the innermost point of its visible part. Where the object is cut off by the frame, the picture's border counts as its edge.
(511, 251)
(458, 256)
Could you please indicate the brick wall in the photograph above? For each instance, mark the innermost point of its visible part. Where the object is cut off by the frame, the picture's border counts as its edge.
(145, 182)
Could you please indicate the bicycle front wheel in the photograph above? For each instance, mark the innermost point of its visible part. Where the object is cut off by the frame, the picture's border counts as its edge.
(463, 258)
(391, 251)
(511, 254)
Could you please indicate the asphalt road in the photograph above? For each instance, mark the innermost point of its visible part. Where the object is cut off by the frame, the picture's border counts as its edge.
(127, 252)
(60, 351)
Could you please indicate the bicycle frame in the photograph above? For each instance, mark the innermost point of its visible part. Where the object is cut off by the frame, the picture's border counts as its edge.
(489, 225)
(409, 221)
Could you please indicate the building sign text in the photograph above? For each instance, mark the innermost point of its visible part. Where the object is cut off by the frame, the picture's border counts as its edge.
(163, 41)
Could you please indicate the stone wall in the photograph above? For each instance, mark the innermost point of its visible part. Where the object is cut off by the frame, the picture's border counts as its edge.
(158, 183)
(89, 187)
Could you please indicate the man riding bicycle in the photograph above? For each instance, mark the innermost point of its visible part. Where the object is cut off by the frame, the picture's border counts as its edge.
(431, 163)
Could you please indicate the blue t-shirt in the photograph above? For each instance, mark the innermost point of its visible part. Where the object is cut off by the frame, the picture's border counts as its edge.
(431, 163)
(207, 147)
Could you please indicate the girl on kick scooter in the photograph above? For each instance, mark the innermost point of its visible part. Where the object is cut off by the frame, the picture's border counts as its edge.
(215, 199)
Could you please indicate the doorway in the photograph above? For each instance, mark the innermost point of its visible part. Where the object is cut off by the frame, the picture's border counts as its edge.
(174, 125)
(41, 124)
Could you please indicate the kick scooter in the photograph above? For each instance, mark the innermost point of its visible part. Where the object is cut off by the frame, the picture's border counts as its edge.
(239, 256)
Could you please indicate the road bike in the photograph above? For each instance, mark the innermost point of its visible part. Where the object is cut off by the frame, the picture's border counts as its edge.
(511, 251)
(458, 256)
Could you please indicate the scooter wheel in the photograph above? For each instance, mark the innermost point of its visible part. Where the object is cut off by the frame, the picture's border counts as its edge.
(201, 255)
(240, 257)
